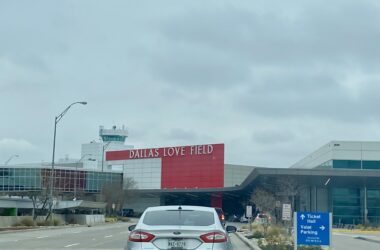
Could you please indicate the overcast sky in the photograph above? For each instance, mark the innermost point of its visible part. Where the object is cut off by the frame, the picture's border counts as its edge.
(273, 80)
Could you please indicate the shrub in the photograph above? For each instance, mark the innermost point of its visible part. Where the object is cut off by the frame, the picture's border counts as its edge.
(41, 223)
(360, 227)
(49, 222)
(17, 224)
(58, 222)
(111, 219)
(258, 235)
(123, 219)
(274, 232)
(28, 222)
(256, 227)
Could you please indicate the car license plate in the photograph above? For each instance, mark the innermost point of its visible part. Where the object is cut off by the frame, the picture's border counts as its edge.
(177, 244)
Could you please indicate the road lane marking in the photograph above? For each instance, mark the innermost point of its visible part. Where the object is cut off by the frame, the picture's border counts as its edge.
(71, 245)
(41, 237)
(108, 236)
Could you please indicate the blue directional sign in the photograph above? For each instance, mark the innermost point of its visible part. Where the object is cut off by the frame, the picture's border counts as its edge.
(313, 228)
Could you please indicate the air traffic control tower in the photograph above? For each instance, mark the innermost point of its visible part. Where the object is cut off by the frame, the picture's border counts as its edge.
(113, 135)
(112, 139)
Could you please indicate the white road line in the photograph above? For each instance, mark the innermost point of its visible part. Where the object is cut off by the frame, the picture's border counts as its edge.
(41, 237)
(108, 236)
(72, 245)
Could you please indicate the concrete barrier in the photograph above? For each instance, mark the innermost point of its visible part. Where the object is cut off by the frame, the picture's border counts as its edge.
(85, 219)
(7, 221)
(247, 241)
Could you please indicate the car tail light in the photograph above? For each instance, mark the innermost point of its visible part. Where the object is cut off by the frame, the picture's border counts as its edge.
(214, 237)
(222, 217)
(140, 236)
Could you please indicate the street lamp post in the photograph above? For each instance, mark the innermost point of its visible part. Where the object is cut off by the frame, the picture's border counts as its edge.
(10, 158)
(57, 119)
(105, 146)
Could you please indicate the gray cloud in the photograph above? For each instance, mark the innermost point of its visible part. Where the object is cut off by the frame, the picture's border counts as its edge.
(180, 134)
(272, 136)
(272, 79)
(315, 96)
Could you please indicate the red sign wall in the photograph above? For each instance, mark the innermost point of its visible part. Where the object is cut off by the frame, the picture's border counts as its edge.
(197, 166)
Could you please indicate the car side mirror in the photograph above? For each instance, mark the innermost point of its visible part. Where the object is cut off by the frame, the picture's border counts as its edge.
(131, 228)
(231, 229)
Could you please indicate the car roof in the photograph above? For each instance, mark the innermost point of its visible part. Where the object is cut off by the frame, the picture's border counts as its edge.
(198, 208)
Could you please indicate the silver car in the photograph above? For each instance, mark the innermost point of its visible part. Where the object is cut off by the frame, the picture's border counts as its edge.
(179, 228)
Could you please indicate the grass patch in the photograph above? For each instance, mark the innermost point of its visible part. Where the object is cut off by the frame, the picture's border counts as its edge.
(25, 222)
(277, 238)
(110, 219)
(49, 222)
(123, 219)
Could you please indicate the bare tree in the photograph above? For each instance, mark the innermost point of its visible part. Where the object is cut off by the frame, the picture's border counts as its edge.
(263, 199)
(39, 201)
(117, 194)
(288, 188)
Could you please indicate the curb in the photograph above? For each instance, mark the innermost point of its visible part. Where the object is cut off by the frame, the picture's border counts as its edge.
(367, 239)
(356, 231)
(7, 231)
(247, 242)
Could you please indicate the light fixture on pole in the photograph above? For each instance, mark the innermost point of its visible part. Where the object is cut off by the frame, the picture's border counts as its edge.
(327, 182)
(56, 120)
(10, 158)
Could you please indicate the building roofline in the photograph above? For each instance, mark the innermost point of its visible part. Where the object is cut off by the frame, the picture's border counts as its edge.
(259, 171)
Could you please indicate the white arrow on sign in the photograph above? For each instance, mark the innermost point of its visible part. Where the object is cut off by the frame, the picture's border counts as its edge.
(322, 227)
(302, 216)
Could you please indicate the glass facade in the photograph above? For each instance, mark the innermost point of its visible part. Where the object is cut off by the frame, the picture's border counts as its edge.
(94, 181)
(356, 164)
(30, 179)
(373, 206)
(346, 204)
(113, 138)
(19, 179)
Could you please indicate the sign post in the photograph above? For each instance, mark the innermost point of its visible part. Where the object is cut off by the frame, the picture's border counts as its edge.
(248, 214)
(312, 229)
(286, 212)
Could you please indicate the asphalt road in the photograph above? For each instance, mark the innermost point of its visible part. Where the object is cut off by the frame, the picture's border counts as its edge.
(114, 236)
(351, 241)
(108, 236)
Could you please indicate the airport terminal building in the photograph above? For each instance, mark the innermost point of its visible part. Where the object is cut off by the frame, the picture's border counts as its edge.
(341, 177)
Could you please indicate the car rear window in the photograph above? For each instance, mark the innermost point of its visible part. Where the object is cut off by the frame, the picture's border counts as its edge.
(179, 218)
